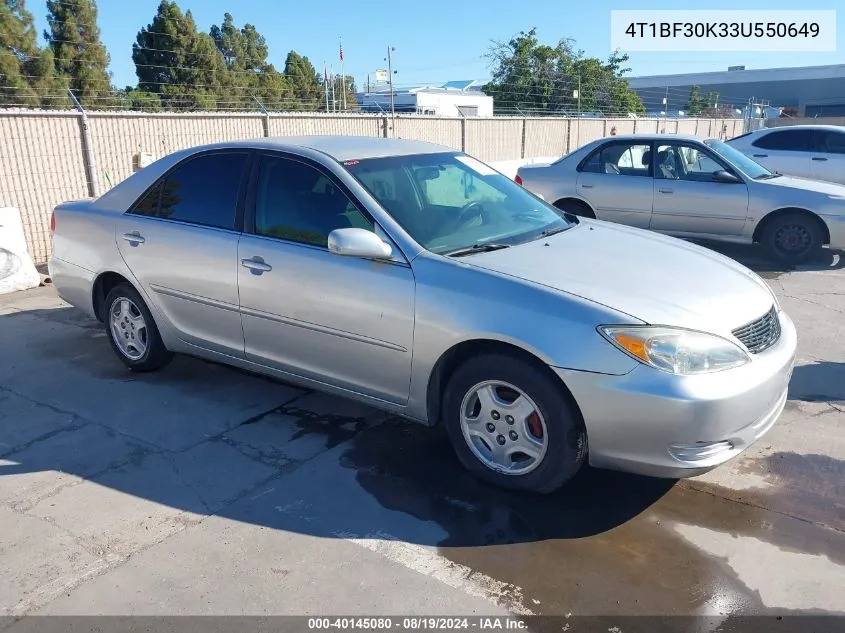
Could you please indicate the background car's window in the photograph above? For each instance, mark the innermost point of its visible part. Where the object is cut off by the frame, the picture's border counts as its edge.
(830, 142)
(785, 140)
(685, 162)
(296, 202)
(620, 159)
(450, 201)
(203, 190)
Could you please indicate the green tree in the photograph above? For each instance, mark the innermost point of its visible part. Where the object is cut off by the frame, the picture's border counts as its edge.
(695, 106)
(529, 76)
(306, 88)
(27, 74)
(74, 39)
(175, 61)
(247, 73)
(337, 84)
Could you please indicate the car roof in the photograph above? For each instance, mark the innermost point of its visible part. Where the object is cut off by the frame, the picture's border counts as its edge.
(838, 128)
(341, 148)
(653, 137)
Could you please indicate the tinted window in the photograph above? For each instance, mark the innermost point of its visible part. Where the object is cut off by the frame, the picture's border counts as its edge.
(296, 202)
(625, 159)
(203, 191)
(830, 142)
(785, 140)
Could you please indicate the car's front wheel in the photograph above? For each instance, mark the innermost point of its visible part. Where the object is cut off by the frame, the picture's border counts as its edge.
(512, 424)
(793, 238)
(132, 331)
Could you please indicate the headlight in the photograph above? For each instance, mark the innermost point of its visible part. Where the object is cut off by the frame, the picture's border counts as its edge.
(676, 351)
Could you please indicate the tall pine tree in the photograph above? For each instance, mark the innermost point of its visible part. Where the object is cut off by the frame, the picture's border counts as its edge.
(305, 83)
(74, 38)
(27, 75)
(248, 76)
(175, 61)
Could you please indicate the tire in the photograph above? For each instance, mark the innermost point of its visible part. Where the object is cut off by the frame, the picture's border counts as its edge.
(565, 442)
(799, 229)
(575, 207)
(141, 348)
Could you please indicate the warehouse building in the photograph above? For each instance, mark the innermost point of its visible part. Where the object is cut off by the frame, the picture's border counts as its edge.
(814, 91)
(454, 98)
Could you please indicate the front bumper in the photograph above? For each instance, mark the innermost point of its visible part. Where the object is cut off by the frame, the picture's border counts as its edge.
(654, 423)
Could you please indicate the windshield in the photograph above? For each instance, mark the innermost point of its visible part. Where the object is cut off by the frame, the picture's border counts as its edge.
(448, 202)
(738, 160)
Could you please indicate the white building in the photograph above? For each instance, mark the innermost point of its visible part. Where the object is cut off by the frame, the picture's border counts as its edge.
(455, 98)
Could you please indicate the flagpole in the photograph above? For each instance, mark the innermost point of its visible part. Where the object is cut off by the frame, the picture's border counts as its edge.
(342, 76)
(326, 84)
(334, 92)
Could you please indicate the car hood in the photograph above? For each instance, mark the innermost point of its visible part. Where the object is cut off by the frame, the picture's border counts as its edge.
(818, 186)
(656, 279)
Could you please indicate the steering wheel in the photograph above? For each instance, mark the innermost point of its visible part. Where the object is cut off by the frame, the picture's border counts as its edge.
(470, 211)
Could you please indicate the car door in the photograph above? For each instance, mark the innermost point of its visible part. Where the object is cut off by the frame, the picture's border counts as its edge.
(180, 241)
(616, 180)
(343, 321)
(688, 199)
(785, 151)
(827, 161)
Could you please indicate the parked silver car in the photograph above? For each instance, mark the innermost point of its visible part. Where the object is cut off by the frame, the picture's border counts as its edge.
(417, 279)
(688, 187)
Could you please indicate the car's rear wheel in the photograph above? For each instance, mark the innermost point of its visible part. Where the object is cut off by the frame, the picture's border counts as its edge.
(793, 238)
(575, 207)
(512, 425)
(132, 331)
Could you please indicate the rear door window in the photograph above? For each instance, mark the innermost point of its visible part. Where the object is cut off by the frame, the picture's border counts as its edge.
(621, 159)
(202, 190)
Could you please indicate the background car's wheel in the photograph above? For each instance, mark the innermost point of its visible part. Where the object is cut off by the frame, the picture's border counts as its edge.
(575, 207)
(512, 424)
(132, 331)
(793, 238)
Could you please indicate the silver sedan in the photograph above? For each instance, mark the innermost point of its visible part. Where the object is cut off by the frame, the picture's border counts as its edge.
(688, 187)
(414, 278)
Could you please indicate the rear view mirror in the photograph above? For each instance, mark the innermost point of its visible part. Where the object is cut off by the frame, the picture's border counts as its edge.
(358, 243)
(428, 173)
(725, 177)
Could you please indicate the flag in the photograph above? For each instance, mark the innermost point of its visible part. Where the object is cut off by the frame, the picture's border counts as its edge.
(341, 51)
(326, 74)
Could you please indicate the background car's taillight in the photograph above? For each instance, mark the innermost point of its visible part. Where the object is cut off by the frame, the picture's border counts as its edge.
(53, 223)
(518, 180)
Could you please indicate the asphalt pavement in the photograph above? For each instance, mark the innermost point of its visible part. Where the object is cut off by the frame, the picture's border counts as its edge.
(203, 490)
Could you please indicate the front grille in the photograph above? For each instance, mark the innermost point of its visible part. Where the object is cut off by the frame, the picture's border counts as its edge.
(760, 334)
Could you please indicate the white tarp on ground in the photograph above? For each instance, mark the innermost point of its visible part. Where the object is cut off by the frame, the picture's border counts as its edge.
(17, 271)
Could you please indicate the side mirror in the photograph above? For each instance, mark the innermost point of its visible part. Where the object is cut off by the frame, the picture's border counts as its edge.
(358, 243)
(725, 176)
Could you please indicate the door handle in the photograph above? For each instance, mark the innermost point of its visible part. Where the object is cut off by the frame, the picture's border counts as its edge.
(820, 158)
(587, 186)
(665, 190)
(761, 155)
(134, 238)
(256, 265)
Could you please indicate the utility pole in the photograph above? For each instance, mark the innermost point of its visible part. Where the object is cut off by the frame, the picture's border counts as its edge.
(392, 103)
(666, 108)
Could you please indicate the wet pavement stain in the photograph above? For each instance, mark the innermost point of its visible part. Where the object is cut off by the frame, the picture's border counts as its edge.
(808, 486)
(602, 544)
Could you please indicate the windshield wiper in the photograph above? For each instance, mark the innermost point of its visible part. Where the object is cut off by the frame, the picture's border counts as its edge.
(553, 231)
(476, 248)
(768, 176)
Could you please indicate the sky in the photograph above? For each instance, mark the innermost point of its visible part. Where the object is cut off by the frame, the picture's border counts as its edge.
(435, 41)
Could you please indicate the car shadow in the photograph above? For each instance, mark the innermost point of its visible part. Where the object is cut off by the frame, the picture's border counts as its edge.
(385, 464)
(821, 381)
(754, 257)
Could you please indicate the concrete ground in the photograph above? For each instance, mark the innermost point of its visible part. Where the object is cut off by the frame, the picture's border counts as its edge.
(203, 490)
